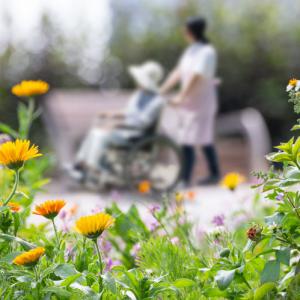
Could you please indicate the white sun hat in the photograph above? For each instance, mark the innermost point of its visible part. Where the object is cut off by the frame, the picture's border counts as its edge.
(148, 75)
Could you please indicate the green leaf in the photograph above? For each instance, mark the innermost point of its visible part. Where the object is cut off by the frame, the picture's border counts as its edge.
(224, 278)
(296, 146)
(283, 255)
(83, 288)
(24, 278)
(10, 238)
(266, 291)
(10, 257)
(183, 283)
(69, 280)
(215, 292)
(109, 282)
(270, 272)
(8, 130)
(249, 246)
(225, 252)
(60, 292)
(279, 157)
(293, 289)
(17, 222)
(274, 219)
(65, 270)
(295, 127)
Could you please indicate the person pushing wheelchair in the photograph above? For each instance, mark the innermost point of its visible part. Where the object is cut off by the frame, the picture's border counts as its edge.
(142, 111)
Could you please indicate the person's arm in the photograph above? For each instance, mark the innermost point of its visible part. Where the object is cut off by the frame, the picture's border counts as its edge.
(187, 89)
(204, 67)
(171, 81)
(111, 115)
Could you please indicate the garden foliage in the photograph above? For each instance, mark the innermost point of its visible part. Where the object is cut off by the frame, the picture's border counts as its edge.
(117, 255)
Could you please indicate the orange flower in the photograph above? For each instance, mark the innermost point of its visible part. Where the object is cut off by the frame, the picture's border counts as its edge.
(29, 258)
(49, 209)
(29, 88)
(144, 187)
(73, 210)
(191, 195)
(293, 82)
(14, 207)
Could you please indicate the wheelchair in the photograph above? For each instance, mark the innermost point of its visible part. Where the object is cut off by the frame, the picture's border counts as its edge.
(153, 157)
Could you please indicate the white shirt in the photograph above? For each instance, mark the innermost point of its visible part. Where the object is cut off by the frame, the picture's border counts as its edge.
(199, 59)
(143, 109)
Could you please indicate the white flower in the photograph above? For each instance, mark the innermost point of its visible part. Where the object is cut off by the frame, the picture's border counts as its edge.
(293, 83)
(297, 88)
(289, 87)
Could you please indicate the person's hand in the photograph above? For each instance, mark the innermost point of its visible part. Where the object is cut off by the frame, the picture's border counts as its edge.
(104, 115)
(176, 101)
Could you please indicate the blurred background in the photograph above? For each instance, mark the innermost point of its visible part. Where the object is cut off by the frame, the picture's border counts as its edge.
(76, 44)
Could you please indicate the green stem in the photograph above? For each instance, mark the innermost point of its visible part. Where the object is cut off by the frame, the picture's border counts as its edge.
(100, 264)
(30, 112)
(293, 206)
(14, 189)
(161, 225)
(56, 233)
(37, 281)
(246, 282)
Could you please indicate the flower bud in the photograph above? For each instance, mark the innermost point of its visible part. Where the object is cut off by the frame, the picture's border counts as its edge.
(254, 233)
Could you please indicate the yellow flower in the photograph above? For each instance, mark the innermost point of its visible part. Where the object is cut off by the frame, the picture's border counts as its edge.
(14, 154)
(28, 88)
(49, 209)
(293, 82)
(144, 187)
(179, 197)
(232, 180)
(93, 226)
(30, 257)
(14, 207)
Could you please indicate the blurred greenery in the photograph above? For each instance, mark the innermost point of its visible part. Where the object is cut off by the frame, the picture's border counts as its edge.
(257, 43)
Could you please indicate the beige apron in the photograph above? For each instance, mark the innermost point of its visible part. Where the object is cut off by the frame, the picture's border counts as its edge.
(196, 116)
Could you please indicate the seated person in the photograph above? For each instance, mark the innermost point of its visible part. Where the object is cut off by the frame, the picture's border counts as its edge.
(141, 113)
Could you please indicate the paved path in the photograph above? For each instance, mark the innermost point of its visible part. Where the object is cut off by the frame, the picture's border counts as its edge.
(208, 202)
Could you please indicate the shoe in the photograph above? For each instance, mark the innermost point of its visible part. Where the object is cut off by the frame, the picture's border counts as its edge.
(209, 180)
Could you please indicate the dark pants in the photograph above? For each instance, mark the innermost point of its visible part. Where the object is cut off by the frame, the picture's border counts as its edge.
(189, 158)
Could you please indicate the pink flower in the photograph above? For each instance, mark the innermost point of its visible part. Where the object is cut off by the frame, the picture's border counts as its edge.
(154, 208)
(175, 240)
(69, 252)
(135, 249)
(4, 138)
(154, 225)
(279, 196)
(115, 195)
(63, 215)
(218, 220)
(201, 234)
(97, 209)
(111, 263)
(105, 245)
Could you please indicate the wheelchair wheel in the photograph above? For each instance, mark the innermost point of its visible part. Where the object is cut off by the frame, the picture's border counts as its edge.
(156, 159)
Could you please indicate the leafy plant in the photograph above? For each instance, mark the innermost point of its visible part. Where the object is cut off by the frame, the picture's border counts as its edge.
(164, 260)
